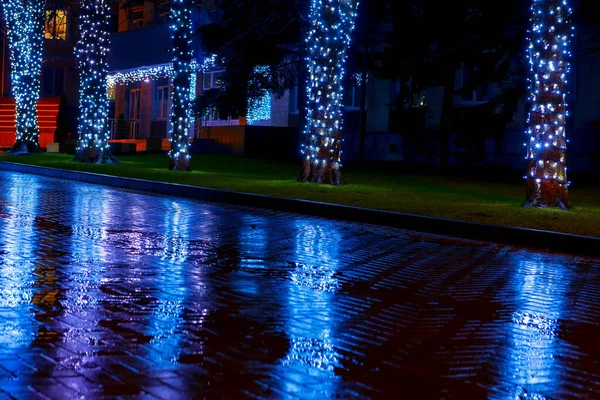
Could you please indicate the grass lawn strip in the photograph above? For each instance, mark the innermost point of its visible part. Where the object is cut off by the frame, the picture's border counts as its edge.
(444, 197)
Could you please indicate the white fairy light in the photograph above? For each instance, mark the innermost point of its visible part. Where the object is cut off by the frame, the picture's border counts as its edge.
(183, 80)
(92, 50)
(25, 31)
(259, 109)
(332, 24)
(549, 56)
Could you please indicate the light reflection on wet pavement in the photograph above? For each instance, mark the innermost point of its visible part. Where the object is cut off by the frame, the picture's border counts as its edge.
(111, 293)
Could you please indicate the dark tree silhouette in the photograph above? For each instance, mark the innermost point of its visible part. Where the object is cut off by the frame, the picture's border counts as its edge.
(240, 27)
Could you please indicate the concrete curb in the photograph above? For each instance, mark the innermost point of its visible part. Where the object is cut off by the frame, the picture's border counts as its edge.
(546, 240)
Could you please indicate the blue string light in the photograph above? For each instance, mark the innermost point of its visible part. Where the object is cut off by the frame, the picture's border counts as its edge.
(181, 105)
(548, 53)
(25, 31)
(332, 24)
(92, 49)
(155, 72)
(259, 109)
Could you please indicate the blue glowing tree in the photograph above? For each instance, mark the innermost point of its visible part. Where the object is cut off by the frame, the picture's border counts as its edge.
(94, 133)
(331, 26)
(251, 78)
(549, 67)
(259, 106)
(181, 105)
(25, 30)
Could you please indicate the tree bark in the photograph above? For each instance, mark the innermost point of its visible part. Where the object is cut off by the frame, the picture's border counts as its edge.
(547, 194)
(181, 163)
(546, 152)
(94, 132)
(326, 172)
(25, 31)
(181, 106)
(328, 40)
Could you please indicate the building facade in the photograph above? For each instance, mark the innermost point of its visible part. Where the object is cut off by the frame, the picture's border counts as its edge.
(59, 75)
(140, 75)
(140, 91)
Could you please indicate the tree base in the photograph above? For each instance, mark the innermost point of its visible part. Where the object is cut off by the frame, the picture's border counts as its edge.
(22, 147)
(327, 174)
(106, 157)
(181, 163)
(547, 194)
(93, 156)
(86, 156)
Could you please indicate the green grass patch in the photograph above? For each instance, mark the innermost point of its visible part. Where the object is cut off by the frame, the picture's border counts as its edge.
(447, 197)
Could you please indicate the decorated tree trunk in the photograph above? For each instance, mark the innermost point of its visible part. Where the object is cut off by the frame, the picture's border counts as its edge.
(181, 105)
(94, 132)
(548, 57)
(25, 30)
(331, 26)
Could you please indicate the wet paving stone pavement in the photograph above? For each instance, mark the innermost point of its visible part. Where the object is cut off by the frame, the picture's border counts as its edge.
(106, 293)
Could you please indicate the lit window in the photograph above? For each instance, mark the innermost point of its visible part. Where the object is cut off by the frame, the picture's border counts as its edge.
(164, 100)
(56, 25)
(112, 91)
(213, 80)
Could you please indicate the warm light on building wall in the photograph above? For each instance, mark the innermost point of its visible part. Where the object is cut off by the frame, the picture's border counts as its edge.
(112, 92)
(56, 25)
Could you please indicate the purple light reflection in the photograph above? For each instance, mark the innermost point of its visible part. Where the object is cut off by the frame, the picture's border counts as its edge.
(311, 327)
(533, 336)
(16, 267)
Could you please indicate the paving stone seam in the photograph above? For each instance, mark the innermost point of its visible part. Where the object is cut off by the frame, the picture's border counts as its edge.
(540, 239)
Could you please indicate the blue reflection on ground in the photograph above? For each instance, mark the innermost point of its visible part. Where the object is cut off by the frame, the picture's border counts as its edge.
(111, 293)
(311, 325)
(171, 291)
(534, 348)
(17, 266)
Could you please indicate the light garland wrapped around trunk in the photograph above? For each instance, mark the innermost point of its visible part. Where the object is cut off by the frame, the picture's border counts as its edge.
(181, 105)
(332, 24)
(25, 31)
(549, 54)
(92, 49)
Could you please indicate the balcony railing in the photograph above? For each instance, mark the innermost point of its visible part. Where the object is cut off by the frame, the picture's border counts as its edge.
(124, 129)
